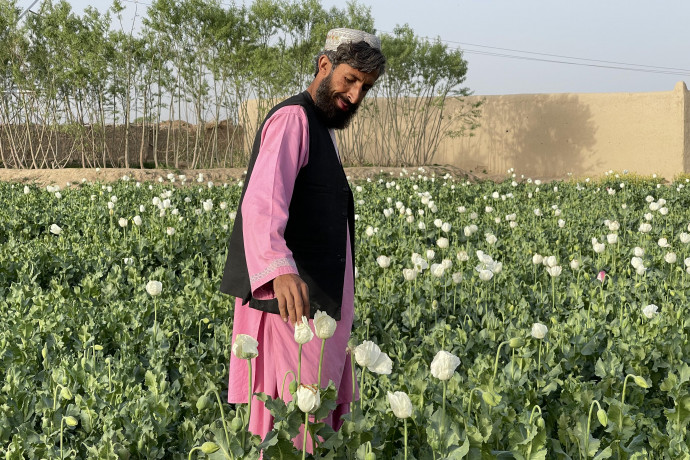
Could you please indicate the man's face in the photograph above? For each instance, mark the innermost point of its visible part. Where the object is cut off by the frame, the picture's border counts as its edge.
(339, 94)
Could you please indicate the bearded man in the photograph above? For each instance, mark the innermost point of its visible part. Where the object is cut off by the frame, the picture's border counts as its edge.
(291, 252)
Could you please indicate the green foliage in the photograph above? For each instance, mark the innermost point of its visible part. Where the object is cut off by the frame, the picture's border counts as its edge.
(80, 339)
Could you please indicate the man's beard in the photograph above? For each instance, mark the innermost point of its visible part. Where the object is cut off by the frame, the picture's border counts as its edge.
(325, 101)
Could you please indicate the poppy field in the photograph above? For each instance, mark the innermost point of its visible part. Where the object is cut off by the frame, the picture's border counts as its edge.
(517, 319)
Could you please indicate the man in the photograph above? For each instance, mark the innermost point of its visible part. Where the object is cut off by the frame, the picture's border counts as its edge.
(291, 252)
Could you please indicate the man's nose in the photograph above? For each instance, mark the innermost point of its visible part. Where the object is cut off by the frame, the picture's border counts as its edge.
(355, 94)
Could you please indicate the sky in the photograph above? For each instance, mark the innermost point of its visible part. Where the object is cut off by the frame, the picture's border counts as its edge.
(510, 45)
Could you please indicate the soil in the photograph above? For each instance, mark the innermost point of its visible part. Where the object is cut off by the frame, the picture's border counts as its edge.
(75, 175)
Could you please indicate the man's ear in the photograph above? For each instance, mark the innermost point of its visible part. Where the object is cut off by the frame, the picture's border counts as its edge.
(325, 65)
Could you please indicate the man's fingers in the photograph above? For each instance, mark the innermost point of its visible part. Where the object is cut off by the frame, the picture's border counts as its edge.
(304, 291)
(282, 308)
(299, 304)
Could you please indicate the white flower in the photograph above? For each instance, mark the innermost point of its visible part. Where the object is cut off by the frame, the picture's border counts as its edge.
(308, 398)
(245, 347)
(383, 365)
(537, 259)
(457, 277)
(648, 216)
(383, 261)
(663, 211)
(442, 243)
(207, 205)
(128, 261)
(550, 261)
(554, 271)
(614, 226)
(421, 225)
(612, 238)
(687, 262)
(55, 229)
(463, 256)
(367, 353)
(400, 404)
(599, 247)
(137, 220)
(122, 222)
(369, 231)
(324, 325)
(663, 243)
(485, 275)
(438, 223)
(154, 288)
(645, 227)
(445, 227)
(409, 274)
(170, 231)
(575, 264)
(430, 254)
(303, 333)
(650, 311)
(638, 251)
(447, 263)
(111, 205)
(641, 270)
(637, 262)
(684, 238)
(443, 365)
(670, 258)
(539, 330)
(491, 238)
(437, 270)
(561, 223)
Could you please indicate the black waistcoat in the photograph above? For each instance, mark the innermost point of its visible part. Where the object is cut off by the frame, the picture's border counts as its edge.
(321, 210)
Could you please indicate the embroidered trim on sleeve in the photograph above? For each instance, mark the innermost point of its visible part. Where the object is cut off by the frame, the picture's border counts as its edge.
(272, 266)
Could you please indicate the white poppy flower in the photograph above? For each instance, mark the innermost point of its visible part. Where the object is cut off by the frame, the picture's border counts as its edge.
(409, 274)
(554, 271)
(154, 288)
(663, 243)
(650, 311)
(245, 347)
(55, 229)
(443, 365)
(485, 275)
(575, 264)
(308, 398)
(612, 238)
(539, 330)
(383, 261)
(491, 238)
(537, 259)
(324, 325)
(670, 257)
(303, 332)
(463, 256)
(636, 262)
(638, 251)
(442, 243)
(400, 404)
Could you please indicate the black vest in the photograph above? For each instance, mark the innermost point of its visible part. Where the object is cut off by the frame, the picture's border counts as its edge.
(321, 207)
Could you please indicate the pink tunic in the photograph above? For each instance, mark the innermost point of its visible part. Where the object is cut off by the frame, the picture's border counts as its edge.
(284, 150)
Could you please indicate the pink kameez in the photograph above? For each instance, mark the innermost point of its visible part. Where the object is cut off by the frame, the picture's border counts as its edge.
(284, 151)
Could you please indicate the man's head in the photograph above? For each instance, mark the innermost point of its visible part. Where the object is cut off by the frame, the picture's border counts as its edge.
(346, 69)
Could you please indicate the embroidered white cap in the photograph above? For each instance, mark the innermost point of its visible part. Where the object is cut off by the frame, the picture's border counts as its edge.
(337, 36)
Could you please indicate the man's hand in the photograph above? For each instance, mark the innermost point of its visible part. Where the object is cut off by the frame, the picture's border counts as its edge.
(293, 297)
